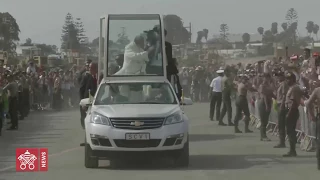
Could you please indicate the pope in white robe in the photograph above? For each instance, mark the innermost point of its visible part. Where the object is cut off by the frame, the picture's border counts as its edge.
(135, 58)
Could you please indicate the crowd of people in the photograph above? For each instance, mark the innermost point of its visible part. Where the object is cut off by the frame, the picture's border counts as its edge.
(282, 84)
(31, 88)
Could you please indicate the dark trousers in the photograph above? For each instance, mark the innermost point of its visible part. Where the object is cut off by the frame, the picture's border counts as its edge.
(318, 141)
(20, 104)
(291, 124)
(282, 125)
(226, 108)
(83, 115)
(264, 117)
(26, 102)
(57, 101)
(1, 116)
(215, 104)
(242, 107)
(13, 111)
(158, 70)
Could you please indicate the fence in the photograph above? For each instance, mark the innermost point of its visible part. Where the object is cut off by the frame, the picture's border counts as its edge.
(306, 129)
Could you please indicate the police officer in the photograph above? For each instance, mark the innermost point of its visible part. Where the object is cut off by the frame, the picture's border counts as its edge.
(292, 102)
(12, 89)
(227, 87)
(264, 105)
(242, 104)
(281, 97)
(216, 96)
(315, 96)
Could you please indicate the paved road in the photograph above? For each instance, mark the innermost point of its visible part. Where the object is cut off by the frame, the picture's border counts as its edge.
(216, 153)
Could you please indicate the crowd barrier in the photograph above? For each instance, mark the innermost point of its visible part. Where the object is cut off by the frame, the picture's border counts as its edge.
(306, 129)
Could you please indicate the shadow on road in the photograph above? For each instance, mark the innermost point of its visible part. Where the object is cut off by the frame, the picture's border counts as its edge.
(210, 137)
(212, 162)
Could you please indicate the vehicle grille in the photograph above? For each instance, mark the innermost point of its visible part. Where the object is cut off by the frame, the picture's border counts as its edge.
(137, 143)
(137, 123)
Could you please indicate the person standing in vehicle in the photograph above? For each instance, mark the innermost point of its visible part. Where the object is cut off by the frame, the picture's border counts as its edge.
(292, 102)
(12, 89)
(227, 87)
(242, 105)
(315, 97)
(264, 105)
(216, 96)
(281, 97)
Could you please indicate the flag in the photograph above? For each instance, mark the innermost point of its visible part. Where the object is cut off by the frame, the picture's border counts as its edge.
(90, 97)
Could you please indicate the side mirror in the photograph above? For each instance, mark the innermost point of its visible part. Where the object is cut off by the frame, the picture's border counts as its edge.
(187, 102)
(85, 102)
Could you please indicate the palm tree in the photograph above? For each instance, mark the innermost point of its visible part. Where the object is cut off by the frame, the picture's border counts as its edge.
(316, 30)
(260, 30)
(310, 25)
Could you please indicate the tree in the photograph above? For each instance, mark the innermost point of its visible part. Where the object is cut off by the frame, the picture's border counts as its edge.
(47, 49)
(205, 33)
(284, 26)
(291, 16)
(28, 42)
(69, 35)
(224, 29)
(200, 35)
(310, 25)
(246, 38)
(260, 30)
(9, 33)
(274, 28)
(268, 37)
(316, 30)
(176, 32)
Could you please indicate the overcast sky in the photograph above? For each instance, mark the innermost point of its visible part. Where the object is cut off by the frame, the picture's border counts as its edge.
(41, 20)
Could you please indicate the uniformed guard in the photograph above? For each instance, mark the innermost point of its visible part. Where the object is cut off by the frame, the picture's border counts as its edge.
(216, 96)
(292, 102)
(281, 97)
(315, 97)
(264, 105)
(12, 89)
(242, 104)
(227, 87)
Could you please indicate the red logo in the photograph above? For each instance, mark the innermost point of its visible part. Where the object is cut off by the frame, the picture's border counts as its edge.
(31, 159)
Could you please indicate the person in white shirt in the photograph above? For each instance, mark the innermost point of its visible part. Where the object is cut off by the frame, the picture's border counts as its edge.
(135, 58)
(31, 68)
(216, 95)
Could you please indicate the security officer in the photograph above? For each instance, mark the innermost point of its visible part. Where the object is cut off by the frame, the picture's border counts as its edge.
(12, 89)
(25, 81)
(227, 87)
(292, 102)
(216, 96)
(242, 104)
(315, 96)
(281, 97)
(264, 105)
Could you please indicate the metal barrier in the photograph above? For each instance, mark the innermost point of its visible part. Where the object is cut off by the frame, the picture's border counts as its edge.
(306, 129)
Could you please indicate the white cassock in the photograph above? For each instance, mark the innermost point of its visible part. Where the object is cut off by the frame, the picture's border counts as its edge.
(135, 60)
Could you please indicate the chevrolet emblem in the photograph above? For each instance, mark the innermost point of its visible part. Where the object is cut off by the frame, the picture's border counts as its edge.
(137, 123)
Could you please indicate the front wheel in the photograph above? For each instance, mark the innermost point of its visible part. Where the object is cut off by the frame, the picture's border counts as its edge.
(182, 160)
(89, 160)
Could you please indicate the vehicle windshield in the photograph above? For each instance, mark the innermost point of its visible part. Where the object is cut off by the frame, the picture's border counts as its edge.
(135, 93)
(134, 45)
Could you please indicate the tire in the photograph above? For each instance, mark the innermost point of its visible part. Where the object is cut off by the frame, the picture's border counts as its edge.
(89, 160)
(182, 160)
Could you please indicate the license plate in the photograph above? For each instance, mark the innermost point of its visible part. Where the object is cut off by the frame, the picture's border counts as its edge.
(137, 136)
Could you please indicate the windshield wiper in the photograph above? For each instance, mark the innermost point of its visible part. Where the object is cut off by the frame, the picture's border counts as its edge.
(149, 103)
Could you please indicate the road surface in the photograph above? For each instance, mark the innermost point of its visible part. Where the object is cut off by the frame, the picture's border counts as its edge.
(215, 153)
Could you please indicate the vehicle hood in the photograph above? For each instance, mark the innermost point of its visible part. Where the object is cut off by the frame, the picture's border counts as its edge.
(136, 110)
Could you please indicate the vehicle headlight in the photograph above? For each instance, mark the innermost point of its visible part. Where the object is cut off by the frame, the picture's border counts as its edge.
(97, 118)
(174, 118)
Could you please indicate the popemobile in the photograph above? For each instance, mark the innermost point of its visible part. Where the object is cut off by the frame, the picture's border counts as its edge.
(135, 110)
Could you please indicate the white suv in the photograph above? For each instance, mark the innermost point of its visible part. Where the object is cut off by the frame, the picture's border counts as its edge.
(128, 118)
